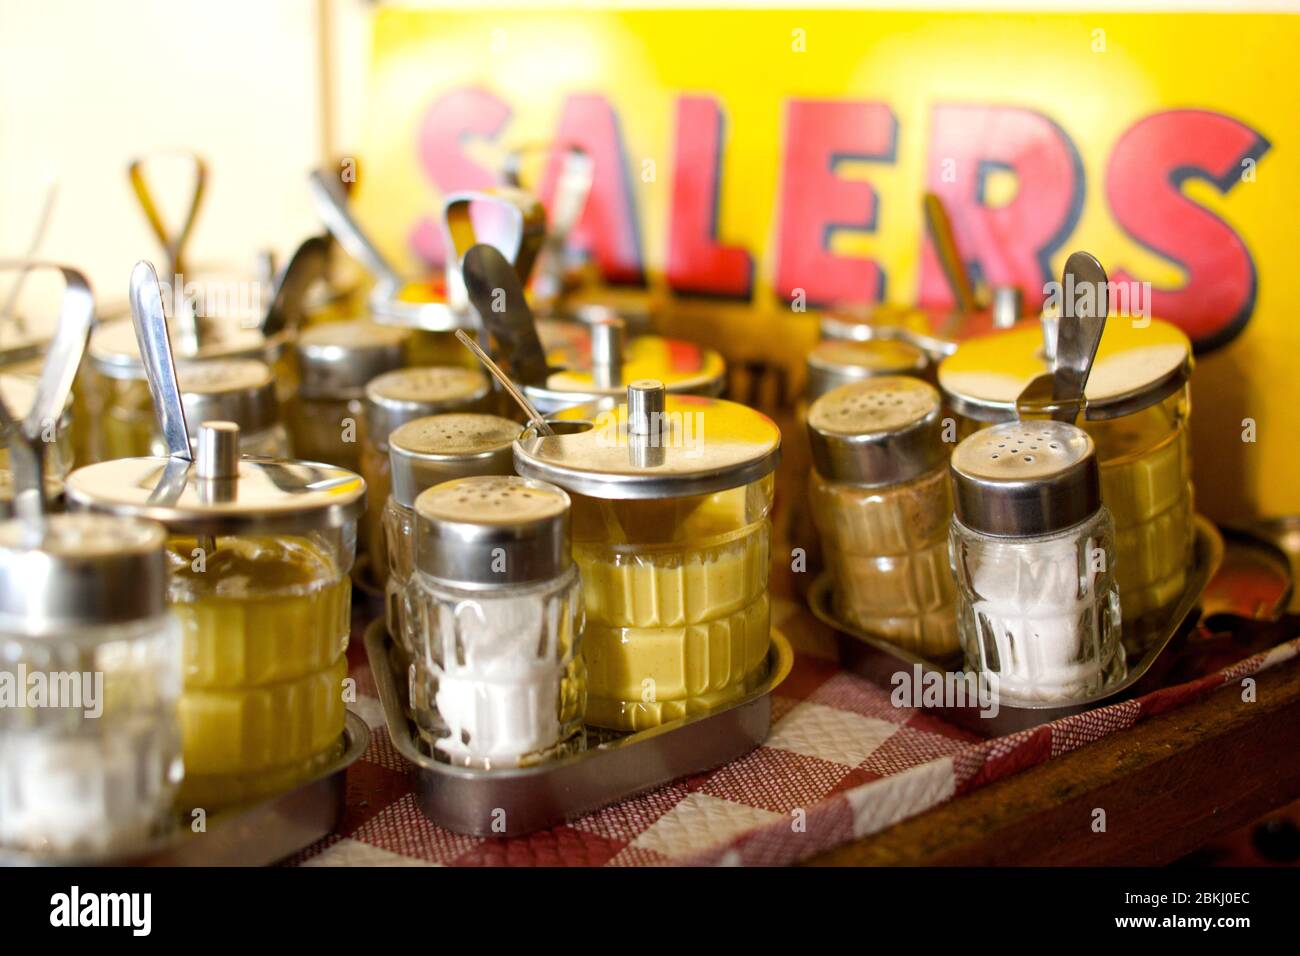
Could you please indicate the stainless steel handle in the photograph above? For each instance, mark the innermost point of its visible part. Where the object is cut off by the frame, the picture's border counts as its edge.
(150, 321)
(332, 207)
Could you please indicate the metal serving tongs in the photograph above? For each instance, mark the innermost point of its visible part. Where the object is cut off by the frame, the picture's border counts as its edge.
(514, 222)
(1059, 394)
(573, 185)
(27, 438)
(173, 243)
(7, 311)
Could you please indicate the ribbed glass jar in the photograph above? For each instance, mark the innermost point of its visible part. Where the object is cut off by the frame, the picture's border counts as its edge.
(98, 772)
(498, 677)
(1040, 614)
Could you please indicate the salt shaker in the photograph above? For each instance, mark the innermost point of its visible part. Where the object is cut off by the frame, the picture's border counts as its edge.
(393, 399)
(233, 390)
(423, 453)
(1032, 550)
(880, 499)
(496, 617)
(82, 602)
(335, 361)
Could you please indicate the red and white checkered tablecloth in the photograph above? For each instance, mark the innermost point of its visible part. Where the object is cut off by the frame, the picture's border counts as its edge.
(841, 762)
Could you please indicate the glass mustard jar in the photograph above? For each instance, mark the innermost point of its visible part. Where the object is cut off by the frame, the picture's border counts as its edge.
(1032, 550)
(119, 388)
(423, 453)
(89, 766)
(612, 360)
(259, 553)
(393, 399)
(496, 621)
(881, 504)
(335, 361)
(1137, 408)
(671, 496)
(232, 390)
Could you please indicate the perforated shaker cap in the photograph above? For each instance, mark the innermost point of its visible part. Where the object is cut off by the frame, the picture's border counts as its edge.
(879, 431)
(833, 363)
(490, 531)
(438, 448)
(1022, 479)
(402, 395)
(337, 359)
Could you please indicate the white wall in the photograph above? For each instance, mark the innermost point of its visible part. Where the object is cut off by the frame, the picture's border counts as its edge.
(87, 84)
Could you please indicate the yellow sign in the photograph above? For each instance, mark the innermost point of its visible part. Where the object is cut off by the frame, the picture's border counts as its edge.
(751, 165)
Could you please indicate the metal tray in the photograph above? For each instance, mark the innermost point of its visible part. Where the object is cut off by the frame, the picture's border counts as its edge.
(255, 835)
(878, 660)
(513, 801)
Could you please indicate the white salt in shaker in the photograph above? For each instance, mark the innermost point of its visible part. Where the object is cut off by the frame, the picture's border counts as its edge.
(90, 677)
(496, 620)
(1032, 549)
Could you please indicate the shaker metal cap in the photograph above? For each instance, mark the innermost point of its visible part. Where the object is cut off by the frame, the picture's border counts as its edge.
(115, 353)
(80, 569)
(833, 363)
(219, 493)
(234, 390)
(490, 530)
(337, 359)
(692, 445)
(1134, 368)
(683, 367)
(405, 394)
(428, 451)
(1022, 479)
(879, 431)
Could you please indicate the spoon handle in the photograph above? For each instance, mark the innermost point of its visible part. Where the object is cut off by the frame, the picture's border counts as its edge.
(151, 333)
(332, 207)
(1083, 319)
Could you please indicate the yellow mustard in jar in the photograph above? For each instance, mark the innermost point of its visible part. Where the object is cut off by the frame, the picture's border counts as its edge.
(1136, 411)
(671, 535)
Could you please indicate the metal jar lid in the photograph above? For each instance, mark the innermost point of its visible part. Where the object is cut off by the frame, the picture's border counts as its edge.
(403, 395)
(491, 530)
(879, 431)
(115, 353)
(614, 360)
(1135, 367)
(79, 570)
(654, 445)
(837, 362)
(1022, 479)
(428, 451)
(232, 390)
(337, 359)
(220, 493)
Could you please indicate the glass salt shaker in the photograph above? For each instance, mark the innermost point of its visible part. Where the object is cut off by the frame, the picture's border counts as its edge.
(393, 399)
(423, 453)
(233, 390)
(880, 500)
(671, 497)
(835, 362)
(498, 678)
(82, 601)
(1033, 553)
(335, 361)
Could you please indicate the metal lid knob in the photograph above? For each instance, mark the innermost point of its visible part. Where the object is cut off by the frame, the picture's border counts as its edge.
(879, 431)
(607, 335)
(1022, 479)
(429, 451)
(491, 531)
(80, 570)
